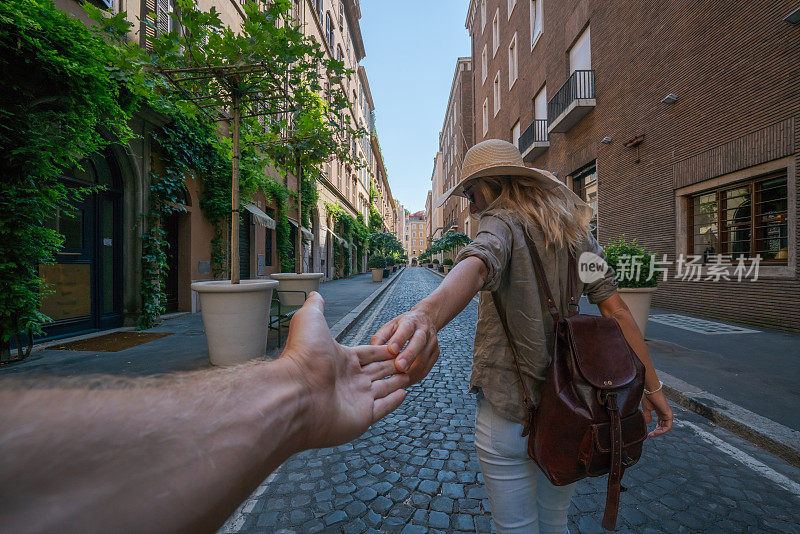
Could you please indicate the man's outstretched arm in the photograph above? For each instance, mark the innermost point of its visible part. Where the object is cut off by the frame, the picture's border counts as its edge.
(181, 453)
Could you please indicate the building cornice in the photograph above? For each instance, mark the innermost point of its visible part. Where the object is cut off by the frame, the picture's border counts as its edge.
(461, 61)
(473, 6)
(352, 12)
(362, 74)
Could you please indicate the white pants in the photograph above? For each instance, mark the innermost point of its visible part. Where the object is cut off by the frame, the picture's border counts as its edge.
(522, 499)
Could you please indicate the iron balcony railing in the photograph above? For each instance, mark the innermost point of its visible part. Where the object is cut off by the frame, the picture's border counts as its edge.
(580, 85)
(535, 133)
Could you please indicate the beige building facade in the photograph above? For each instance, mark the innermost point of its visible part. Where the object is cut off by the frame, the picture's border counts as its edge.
(103, 272)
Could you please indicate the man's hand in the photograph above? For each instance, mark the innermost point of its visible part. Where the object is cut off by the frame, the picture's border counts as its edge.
(658, 402)
(347, 386)
(417, 329)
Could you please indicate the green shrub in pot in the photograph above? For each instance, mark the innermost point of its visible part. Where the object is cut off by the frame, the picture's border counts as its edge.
(377, 261)
(620, 254)
(436, 261)
(448, 261)
(632, 263)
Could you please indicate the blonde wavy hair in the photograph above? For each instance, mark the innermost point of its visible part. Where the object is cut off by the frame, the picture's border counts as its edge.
(560, 219)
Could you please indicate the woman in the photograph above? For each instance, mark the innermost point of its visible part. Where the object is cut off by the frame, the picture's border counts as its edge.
(512, 200)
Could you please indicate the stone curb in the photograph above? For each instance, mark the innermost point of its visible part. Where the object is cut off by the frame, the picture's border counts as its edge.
(766, 433)
(343, 326)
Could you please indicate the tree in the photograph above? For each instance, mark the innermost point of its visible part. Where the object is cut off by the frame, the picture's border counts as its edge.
(264, 81)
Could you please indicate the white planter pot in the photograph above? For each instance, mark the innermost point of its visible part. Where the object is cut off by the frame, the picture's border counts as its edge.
(377, 275)
(638, 300)
(235, 318)
(307, 282)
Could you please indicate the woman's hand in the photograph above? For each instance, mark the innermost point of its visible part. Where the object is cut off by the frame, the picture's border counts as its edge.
(658, 402)
(416, 328)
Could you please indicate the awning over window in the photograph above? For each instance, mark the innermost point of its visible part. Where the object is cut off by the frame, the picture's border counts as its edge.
(261, 218)
(306, 232)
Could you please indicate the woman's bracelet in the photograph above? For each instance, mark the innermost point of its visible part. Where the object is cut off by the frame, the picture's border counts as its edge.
(660, 385)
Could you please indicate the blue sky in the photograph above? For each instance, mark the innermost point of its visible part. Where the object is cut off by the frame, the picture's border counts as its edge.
(412, 47)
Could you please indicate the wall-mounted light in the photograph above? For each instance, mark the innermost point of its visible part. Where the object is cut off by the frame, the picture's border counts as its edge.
(793, 17)
(606, 140)
(670, 98)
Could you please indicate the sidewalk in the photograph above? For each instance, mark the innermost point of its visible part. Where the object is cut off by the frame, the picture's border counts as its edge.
(758, 371)
(185, 349)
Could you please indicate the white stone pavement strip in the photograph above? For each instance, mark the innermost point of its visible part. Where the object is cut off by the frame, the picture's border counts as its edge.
(744, 458)
(416, 471)
(775, 437)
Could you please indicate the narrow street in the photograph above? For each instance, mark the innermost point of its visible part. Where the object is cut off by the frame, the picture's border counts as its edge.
(417, 471)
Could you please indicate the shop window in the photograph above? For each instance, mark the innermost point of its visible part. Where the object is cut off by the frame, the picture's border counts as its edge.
(742, 220)
(584, 183)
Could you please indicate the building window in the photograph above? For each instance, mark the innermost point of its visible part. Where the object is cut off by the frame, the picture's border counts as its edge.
(742, 220)
(483, 15)
(513, 69)
(496, 93)
(485, 116)
(584, 183)
(511, 4)
(515, 132)
(341, 14)
(580, 55)
(484, 64)
(540, 104)
(536, 21)
(496, 32)
(329, 29)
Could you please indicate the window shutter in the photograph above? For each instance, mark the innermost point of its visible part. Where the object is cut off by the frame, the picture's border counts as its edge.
(162, 16)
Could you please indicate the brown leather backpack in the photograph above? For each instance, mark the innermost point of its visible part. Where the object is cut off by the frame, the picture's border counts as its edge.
(588, 421)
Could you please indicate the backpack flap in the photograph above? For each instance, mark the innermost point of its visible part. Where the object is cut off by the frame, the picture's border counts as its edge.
(601, 353)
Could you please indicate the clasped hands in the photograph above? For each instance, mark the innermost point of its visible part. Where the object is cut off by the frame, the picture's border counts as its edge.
(352, 387)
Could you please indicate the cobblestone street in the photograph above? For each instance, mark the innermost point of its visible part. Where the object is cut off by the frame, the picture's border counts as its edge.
(417, 471)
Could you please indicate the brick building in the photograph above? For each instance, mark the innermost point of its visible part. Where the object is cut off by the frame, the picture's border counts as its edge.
(678, 122)
(455, 138)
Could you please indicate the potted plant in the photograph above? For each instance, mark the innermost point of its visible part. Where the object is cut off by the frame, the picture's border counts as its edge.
(390, 264)
(293, 288)
(436, 263)
(377, 263)
(632, 263)
(448, 264)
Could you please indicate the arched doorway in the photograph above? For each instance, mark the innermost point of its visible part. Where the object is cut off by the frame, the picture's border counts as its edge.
(85, 280)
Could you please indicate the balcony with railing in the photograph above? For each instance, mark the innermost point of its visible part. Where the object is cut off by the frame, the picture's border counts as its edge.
(534, 140)
(575, 99)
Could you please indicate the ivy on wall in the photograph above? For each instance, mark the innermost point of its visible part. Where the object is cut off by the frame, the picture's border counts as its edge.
(350, 229)
(60, 84)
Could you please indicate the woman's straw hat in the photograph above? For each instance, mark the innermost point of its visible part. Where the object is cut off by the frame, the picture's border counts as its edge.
(498, 158)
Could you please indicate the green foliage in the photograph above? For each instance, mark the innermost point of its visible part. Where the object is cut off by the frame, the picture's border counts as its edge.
(448, 261)
(621, 255)
(449, 242)
(390, 261)
(351, 229)
(375, 220)
(63, 95)
(273, 70)
(436, 261)
(376, 261)
(386, 243)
